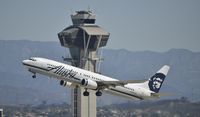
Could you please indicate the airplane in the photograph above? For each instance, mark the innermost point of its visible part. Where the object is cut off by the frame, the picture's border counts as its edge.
(71, 76)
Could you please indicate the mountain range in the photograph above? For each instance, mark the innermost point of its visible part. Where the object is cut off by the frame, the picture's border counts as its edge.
(17, 86)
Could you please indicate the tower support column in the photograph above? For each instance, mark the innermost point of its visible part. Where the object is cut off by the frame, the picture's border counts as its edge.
(83, 39)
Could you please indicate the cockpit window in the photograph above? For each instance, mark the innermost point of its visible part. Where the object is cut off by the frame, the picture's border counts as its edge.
(32, 59)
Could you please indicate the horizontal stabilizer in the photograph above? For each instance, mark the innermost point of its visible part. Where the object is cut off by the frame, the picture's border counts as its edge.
(160, 94)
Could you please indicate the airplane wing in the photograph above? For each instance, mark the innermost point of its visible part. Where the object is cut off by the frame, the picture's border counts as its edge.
(118, 83)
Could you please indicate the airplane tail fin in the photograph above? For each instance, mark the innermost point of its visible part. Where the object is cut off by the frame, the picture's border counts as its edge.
(155, 82)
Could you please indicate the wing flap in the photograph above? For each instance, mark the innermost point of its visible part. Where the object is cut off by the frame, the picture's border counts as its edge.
(118, 83)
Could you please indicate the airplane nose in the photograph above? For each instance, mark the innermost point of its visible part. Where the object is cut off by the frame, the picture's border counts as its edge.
(24, 62)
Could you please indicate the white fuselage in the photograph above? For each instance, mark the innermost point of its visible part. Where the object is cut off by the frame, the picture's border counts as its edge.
(75, 75)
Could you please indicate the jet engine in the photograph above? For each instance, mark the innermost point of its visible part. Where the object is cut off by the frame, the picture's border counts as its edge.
(66, 84)
(89, 84)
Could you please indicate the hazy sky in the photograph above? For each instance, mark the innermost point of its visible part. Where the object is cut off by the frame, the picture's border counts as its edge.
(157, 25)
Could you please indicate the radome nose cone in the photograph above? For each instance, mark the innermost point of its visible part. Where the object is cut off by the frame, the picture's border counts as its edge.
(24, 62)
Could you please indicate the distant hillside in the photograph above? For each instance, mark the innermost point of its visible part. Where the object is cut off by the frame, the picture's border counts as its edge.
(17, 86)
(164, 108)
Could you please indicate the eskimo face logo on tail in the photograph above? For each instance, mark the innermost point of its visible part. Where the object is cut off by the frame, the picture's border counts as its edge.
(156, 81)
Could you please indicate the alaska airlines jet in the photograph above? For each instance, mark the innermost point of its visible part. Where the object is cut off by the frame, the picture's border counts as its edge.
(72, 76)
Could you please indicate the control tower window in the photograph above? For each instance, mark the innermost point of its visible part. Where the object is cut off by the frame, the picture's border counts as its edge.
(89, 21)
(83, 12)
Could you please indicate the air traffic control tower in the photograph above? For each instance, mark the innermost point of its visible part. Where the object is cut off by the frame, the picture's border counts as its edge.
(83, 39)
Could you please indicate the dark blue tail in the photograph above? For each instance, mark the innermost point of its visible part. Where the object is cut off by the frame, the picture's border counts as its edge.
(156, 81)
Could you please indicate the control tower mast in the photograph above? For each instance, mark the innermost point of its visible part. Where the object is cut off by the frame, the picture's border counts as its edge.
(83, 39)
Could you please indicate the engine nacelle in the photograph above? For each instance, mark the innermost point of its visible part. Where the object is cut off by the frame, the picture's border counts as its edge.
(89, 84)
(66, 84)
